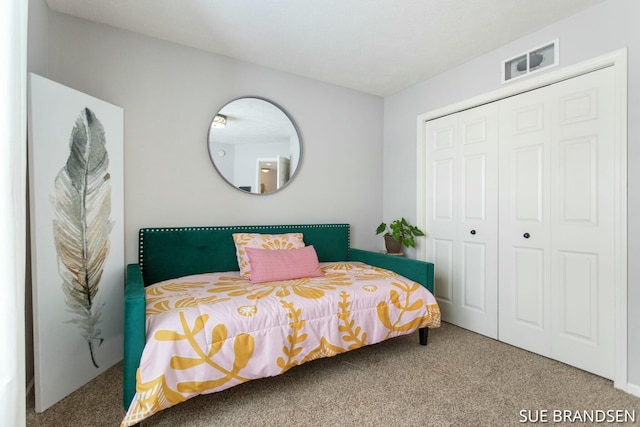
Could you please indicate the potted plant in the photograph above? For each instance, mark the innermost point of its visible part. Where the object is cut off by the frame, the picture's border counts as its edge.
(399, 232)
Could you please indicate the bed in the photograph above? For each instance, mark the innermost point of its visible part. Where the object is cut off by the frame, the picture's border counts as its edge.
(207, 308)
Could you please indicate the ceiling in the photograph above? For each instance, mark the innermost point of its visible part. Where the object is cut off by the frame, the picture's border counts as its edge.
(253, 120)
(374, 46)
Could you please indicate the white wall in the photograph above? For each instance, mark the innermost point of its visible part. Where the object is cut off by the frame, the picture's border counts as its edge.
(170, 93)
(602, 29)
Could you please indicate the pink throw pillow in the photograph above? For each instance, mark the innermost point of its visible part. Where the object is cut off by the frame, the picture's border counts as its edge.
(263, 241)
(273, 265)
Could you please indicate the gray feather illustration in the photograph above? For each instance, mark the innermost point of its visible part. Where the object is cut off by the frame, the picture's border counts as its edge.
(81, 225)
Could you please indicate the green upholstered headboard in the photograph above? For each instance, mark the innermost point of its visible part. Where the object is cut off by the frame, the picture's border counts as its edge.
(167, 253)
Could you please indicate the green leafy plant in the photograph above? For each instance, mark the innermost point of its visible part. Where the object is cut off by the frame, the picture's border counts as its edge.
(401, 231)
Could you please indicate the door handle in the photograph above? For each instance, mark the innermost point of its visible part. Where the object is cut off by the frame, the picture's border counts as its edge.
(526, 235)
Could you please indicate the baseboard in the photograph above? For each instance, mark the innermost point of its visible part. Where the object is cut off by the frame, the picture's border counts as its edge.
(633, 389)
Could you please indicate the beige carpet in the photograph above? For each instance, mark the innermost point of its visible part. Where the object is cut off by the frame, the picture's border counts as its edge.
(459, 379)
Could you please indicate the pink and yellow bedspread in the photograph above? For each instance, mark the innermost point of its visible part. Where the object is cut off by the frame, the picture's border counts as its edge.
(210, 332)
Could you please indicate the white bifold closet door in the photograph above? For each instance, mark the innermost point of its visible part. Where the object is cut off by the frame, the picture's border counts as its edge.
(556, 221)
(462, 222)
(520, 219)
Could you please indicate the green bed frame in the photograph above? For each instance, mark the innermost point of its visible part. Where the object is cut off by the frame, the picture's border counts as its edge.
(167, 253)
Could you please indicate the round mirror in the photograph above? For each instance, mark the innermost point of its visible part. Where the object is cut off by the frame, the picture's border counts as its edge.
(254, 145)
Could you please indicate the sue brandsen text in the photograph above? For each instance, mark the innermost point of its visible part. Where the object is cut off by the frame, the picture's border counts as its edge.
(611, 416)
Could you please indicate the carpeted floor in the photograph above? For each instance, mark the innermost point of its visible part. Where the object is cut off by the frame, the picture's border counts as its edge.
(459, 379)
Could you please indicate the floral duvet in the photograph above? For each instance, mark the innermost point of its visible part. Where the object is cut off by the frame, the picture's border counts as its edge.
(210, 332)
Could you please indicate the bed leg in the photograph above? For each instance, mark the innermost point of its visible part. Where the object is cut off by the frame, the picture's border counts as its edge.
(424, 334)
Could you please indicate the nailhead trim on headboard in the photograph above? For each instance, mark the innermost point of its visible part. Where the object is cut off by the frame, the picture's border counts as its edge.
(229, 227)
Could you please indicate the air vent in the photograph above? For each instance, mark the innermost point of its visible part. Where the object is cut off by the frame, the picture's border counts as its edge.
(530, 62)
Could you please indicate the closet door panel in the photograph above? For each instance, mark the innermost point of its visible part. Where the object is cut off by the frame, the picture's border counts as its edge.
(474, 277)
(582, 220)
(528, 284)
(443, 260)
(442, 217)
(527, 176)
(444, 196)
(473, 213)
(462, 216)
(474, 197)
(577, 299)
(524, 287)
(578, 181)
(478, 225)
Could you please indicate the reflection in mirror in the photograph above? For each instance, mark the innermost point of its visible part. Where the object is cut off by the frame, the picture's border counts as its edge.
(254, 145)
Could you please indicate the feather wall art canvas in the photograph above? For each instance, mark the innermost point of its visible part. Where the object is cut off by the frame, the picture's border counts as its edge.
(76, 191)
(81, 224)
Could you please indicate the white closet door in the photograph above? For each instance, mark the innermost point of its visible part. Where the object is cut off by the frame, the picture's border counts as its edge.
(462, 219)
(582, 223)
(524, 282)
(441, 222)
(556, 221)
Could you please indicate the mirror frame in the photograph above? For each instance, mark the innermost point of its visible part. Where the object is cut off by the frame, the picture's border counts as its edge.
(291, 121)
